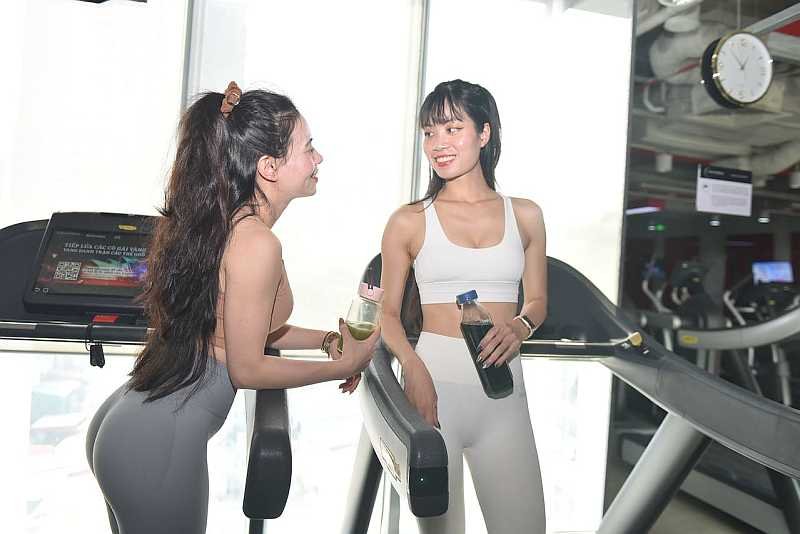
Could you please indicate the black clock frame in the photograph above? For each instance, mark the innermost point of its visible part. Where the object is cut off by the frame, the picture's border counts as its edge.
(708, 67)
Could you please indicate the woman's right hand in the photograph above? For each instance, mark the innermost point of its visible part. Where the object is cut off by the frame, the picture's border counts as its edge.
(356, 355)
(418, 385)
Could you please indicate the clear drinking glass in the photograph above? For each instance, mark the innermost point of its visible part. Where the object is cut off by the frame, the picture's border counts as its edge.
(364, 314)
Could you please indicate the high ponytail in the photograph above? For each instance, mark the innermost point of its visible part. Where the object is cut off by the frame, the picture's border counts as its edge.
(212, 179)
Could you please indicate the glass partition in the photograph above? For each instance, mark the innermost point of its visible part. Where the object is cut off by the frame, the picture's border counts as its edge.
(712, 198)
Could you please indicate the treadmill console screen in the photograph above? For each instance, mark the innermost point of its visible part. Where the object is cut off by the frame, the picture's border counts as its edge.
(765, 272)
(90, 263)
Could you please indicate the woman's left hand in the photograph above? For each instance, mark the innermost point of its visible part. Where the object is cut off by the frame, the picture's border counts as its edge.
(349, 385)
(500, 344)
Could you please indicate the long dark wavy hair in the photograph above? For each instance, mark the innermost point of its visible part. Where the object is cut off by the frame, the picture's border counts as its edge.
(213, 178)
(452, 100)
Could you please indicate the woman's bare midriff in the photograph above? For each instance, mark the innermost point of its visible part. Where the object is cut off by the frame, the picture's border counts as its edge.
(445, 319)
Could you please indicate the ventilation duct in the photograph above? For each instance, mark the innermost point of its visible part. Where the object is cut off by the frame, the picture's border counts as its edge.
(770, 162)
(674, 57)
(645, 24)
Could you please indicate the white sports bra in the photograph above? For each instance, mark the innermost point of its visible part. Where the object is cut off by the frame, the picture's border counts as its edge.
(443, 269)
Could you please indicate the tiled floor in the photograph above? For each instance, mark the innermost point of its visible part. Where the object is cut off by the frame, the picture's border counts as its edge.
(685, 514)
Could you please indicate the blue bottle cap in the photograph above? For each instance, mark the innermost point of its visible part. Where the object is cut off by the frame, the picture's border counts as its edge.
(466, 297)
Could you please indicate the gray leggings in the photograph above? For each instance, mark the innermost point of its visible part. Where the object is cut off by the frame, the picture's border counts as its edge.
(495, 437)
(150, 458)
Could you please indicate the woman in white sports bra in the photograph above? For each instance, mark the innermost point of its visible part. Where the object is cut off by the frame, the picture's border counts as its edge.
(464, 235)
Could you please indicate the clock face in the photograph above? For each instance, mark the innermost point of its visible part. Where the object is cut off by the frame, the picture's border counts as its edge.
(743, 69)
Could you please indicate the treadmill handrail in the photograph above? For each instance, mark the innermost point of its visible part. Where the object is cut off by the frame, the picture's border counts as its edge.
(753, 426)
(269, 465)
(396, 409)
(741, 337)
(579, 350)
(74, 332)
(655, 319)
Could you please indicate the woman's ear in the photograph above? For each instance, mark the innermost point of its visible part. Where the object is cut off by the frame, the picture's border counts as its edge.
(267, 168)
(486, 134)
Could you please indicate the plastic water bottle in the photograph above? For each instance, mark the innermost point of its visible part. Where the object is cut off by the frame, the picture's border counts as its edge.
(497, 381)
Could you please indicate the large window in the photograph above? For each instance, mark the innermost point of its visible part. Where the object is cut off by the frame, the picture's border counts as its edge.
(93, 94)
(350, 67)
(560, 77)
(49, 395)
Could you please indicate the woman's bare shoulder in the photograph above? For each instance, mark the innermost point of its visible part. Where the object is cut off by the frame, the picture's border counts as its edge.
(408, 219)
(530, 220)
(526, 209)
(255, 240)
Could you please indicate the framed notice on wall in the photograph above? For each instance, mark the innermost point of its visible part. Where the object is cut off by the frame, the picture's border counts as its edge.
(722, 190)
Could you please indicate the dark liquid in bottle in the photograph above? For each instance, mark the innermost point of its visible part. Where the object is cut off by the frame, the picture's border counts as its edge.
(497, 382)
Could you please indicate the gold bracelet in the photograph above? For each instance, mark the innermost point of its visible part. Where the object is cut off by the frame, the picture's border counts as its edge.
(328, 339)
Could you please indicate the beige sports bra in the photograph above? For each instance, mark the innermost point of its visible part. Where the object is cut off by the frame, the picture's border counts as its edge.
(281, 310)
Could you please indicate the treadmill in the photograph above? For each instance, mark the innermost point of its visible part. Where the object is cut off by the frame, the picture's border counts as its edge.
(582, 324)
(75, 309)
(758, 298)
(729, 482)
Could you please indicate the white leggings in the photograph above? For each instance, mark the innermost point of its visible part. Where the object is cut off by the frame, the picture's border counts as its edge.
(496, 438)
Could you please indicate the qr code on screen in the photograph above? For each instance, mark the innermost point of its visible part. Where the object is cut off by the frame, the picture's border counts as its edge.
(67, 270)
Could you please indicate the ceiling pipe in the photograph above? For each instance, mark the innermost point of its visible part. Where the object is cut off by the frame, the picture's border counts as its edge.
(767, 163)
(687, 21)
(776, 21)
(674, 57)
(654, 21)
(794, 179)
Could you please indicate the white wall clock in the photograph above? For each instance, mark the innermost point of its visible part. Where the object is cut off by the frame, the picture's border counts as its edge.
(737, 69)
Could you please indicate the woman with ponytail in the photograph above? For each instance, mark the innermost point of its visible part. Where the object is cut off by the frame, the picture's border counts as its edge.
(217, 293)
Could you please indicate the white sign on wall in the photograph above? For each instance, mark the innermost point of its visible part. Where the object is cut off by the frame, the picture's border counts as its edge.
(721, 190)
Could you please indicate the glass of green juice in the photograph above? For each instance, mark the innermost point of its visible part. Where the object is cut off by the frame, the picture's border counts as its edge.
(364, 314)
